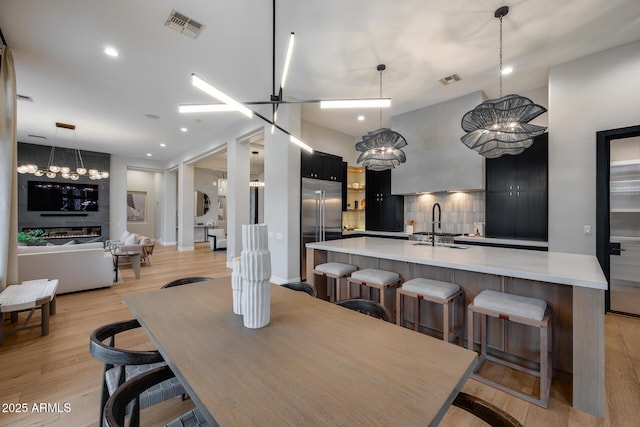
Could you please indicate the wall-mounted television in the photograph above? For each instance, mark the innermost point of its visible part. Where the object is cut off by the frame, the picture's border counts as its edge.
(62, 196)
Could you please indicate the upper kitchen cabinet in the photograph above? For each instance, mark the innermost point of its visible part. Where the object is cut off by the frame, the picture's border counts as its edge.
(321, 166)
(436, 158)
(383, 211)
(516, 198)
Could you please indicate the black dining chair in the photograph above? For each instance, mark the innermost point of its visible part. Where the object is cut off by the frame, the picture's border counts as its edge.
(129, 392)
(484, 410)
(185, 281)
(122, 365)
(302, 287)
(366, 306)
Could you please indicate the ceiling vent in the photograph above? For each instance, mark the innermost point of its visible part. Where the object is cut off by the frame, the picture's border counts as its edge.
(24, 98)
(184, 24)
(37, 136)
(450, 79)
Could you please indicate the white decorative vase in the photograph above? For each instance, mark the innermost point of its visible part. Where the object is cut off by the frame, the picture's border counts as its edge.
(236, 285)
(256, 272)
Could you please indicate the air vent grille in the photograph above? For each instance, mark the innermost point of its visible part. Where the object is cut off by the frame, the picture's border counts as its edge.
(450, 79)
(24, 98)
(183, 24)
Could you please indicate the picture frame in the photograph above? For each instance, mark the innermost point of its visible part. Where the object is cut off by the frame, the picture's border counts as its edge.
(136, 206)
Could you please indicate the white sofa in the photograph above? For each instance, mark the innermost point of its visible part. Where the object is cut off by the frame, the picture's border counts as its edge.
(77, 267)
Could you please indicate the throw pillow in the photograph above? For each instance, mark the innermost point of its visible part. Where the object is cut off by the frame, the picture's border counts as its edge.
(131, 239)
(144, 240)
(124, 235)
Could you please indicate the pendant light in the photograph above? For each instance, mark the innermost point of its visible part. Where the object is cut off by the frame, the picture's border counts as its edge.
(381, 149)
(501, 126)
(66, 172)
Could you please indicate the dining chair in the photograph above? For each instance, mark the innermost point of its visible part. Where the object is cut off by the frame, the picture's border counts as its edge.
(185, 281)
(121, 365)
(484, 410)
(301, 286)
(117, 404)
(366, 306)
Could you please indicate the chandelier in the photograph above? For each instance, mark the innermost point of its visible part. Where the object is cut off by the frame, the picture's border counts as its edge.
(381, 149)
(500, 126)
(52, 170)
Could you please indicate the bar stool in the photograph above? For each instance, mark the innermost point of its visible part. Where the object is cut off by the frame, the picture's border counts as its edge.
(436, 292)
(374, 278)
(336, 271)
(518, 309)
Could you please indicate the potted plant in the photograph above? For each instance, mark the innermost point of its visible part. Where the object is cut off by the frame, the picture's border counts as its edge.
(32, 237)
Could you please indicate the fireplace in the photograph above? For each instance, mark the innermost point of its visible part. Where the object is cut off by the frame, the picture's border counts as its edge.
(55, 234)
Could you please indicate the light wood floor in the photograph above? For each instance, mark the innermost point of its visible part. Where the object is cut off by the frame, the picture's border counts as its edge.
(59, 369)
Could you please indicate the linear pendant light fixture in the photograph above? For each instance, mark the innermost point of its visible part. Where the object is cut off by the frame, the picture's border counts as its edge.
(227, 103)
(501, 126)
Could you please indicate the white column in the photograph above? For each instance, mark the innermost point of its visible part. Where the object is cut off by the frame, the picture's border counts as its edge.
(166, 189)
(237, 196)
(185, 208)
(282, 196)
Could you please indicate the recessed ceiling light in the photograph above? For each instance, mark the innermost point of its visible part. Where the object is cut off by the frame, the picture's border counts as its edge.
(361, 118)
(110, 51)
(149, 154)
(507, 70)
(163, 145)
(183, 129)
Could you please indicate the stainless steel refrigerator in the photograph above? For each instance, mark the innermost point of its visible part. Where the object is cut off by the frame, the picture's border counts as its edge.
(321, 212)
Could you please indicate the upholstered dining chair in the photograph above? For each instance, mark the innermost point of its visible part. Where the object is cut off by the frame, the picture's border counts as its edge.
(366, 306)
(484, 410)
(302, 287)
(116, 407)
(122, 365)
(185, 281)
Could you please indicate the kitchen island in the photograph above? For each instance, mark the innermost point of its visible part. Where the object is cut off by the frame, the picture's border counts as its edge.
(572, 285)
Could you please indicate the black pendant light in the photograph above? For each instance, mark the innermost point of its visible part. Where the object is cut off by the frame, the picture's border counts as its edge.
(501, 126)
(381, 149)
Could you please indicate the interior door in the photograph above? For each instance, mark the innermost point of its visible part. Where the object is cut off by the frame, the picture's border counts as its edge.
(624, 224)
(618, 216)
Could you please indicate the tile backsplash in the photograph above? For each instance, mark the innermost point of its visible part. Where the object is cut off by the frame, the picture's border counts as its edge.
(459, 211)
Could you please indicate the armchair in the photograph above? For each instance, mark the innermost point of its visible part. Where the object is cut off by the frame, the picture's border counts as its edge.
(133, 242)
(218, 238)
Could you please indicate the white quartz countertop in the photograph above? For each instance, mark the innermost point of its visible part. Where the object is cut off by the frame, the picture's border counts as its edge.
(554, 267)
(376, 233)
(513, 242)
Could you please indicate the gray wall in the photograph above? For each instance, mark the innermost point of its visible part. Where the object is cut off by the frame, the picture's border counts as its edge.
(39, 154)
(436, 158)
(590, 94)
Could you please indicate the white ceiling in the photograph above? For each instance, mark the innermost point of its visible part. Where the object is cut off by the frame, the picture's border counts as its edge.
(58, 51)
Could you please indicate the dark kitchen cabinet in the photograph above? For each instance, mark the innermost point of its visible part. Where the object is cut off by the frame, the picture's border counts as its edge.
(383, 211)
(516, 198)
(320, 165)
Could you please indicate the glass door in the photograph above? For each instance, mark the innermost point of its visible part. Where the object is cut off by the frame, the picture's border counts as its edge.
(624, 225)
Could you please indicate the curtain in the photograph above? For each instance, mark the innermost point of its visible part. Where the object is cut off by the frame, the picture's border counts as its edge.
(8, 174)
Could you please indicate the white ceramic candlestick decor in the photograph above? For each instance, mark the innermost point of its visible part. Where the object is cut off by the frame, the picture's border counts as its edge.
(256, 272)
(236, 285)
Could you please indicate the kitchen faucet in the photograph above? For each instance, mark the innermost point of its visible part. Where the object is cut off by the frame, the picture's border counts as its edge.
(433, 222)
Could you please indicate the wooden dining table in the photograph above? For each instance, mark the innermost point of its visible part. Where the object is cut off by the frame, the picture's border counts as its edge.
(315, 363)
